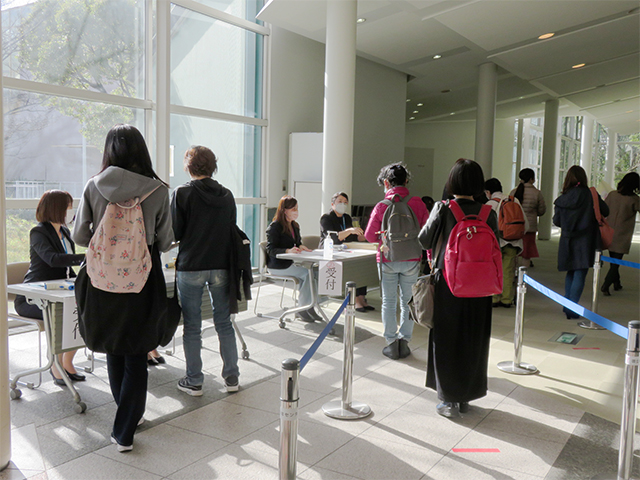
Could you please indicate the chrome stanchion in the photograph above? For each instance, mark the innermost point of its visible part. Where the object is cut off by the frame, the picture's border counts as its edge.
(289, 419)
(629, 401)
(517, 367)
(594, 298)
(346, 409)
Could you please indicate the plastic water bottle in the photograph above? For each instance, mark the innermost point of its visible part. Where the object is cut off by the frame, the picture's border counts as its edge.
(327, 252)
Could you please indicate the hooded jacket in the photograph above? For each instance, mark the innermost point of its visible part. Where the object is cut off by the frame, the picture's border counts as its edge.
(116, 184)
(204, 219)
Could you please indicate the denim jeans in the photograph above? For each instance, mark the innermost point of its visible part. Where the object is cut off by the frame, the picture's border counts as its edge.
(573, 287)
(301, 274)
(190, 288)
(394, 275)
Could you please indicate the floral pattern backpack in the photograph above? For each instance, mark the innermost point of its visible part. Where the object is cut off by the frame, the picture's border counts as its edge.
(118, 258)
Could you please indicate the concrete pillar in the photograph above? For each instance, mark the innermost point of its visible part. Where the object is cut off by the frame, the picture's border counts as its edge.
(586, 147)
(339, 99)
(5, 414)
(549, 165)
(163, 93)
(486, 116)
(519, 141)
(612, 148)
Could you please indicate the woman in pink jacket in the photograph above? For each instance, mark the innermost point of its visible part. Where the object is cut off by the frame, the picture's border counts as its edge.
(394, 274)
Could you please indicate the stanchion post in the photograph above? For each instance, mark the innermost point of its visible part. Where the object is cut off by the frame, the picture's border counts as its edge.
(629, 401)
(594, 298)
(517, 367)
(289, 419)
(346, 409)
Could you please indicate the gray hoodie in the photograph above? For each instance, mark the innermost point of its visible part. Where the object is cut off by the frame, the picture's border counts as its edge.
(116, 184)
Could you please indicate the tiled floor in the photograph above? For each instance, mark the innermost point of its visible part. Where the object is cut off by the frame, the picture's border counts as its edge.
(559, 424)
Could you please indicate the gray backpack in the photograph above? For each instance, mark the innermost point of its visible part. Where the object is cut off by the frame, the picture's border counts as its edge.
(399, 231)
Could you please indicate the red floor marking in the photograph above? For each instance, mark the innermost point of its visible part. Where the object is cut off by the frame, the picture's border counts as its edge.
(586, 348)
(476, 450)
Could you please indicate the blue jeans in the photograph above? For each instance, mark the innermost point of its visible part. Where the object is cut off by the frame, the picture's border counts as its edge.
(394, 275)
(302, 274)
(573, 287)
(190, 288)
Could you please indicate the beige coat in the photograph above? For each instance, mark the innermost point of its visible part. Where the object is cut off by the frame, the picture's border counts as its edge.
(533, 205)
(622, 217)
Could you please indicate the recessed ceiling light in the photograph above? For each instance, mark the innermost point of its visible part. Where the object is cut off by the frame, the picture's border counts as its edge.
(580, 65)
(419, 104)
(452, 113)
(408, 100)
(436, 57)
(545, 36)
(361, 20)
(520, 98)
(629, 111)
(416, 111)
(412, 118)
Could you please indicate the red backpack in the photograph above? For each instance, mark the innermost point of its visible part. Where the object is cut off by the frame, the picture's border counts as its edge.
(511, 219)
(472, 259)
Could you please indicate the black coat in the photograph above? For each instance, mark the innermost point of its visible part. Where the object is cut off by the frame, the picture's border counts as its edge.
(279, 242)
(240, 274)
(330, 222)
(580, 233)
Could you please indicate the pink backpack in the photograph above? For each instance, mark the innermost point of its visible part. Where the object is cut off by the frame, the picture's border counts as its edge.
(118, 259)
(472, 259)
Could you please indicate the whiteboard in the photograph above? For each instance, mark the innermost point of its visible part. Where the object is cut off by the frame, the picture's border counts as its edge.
(305, 157)
(309, 196)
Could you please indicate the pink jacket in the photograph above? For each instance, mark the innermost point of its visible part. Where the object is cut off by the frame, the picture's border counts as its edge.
(375, 220)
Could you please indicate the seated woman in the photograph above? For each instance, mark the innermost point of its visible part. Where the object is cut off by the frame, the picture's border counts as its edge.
(52, 253)
(283, 236)
(338, 221)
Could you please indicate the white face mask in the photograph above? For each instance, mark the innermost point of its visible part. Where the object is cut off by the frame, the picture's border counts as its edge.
(69, 217)
(341, 208)
(292, 215)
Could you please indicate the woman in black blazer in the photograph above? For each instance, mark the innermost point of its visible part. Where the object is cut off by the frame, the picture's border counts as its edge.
(283, 236)
(52, 253)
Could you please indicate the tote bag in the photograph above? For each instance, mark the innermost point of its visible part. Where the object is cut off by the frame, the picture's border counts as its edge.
(606, 230)
(422, 301)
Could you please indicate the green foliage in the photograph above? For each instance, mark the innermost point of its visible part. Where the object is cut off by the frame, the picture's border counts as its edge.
(18, 238)
(628, 157)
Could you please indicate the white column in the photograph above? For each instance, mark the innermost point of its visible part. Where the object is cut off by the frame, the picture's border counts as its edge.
(612, 148)
(549, 165)
(586, 146)
(519, 148)
(339, 98)
(486, 116)
(5, 414)
(163, 98)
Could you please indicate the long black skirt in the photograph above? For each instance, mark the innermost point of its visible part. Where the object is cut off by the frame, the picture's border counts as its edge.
(458, 352)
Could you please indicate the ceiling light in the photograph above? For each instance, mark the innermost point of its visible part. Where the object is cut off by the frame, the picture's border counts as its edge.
(629, 111)
(408, 100)
(520, 98)
(416, 111)
(361, 20)
(545, 36)
(419, 104)
(580, 65)
(436, 57)
(412, 118)
(452, 113)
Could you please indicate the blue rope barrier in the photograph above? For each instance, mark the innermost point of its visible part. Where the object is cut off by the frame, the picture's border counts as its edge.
(624, 263)
(312, 349)
(579, 309)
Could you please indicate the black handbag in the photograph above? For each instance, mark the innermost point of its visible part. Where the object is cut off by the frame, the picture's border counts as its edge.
(172, 320)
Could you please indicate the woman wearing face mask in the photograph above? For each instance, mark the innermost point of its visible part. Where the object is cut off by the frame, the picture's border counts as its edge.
(52, 254)
(339, 223)
(283, 236)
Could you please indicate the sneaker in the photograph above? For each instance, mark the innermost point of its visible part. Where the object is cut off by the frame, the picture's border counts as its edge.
(121, 448)
(193, 390)
(231, 383)
(392, 350)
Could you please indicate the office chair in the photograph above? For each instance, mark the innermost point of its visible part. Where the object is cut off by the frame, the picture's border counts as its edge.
(265, 275)
(311, 241)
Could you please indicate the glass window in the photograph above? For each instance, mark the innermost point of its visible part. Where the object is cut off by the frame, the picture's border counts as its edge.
(627, 158)
(247, 9)
(55, 142)
(19, 224)
(214, 65)
(94, 45)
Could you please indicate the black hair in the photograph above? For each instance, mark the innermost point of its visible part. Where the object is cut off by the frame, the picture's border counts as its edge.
(465, 178)
(527, 174)
(339, 194)
(428, 202)
(630, 184)
(396, 174)
(493, 185)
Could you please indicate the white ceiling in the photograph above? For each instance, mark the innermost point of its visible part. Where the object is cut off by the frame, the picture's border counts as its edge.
(406, 34)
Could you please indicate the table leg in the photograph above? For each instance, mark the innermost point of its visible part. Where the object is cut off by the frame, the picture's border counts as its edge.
(314, 299)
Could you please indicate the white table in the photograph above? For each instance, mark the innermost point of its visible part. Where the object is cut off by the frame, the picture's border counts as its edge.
(359, 266)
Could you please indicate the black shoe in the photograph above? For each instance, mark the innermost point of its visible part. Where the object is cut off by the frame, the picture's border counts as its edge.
(447, 409)
(530, 263)
(361, 309)
(76, 377)
(57, 381)
(231, 383)
(505, 305)
(617, 286)
(151, 360)
(160, 359)
(315, 315)
(369, 307)
(305, 316)
(464, 407)
(605, 291)
(403, 351)
(392, 350)
(495, 305)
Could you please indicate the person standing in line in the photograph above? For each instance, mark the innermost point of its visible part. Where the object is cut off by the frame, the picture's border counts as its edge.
(130, 321)
(204, 216)
(52, 253)
(624, 204)
(458, 349)
(510, 248)
(580, 234)
(403, 274)
(534, 206)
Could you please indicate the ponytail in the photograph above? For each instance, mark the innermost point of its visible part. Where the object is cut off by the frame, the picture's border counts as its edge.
(519, 194)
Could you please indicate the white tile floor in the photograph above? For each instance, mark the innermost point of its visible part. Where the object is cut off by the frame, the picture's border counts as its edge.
(528, 423)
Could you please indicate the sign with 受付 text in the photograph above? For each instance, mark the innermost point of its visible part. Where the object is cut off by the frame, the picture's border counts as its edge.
(330, 278)
(71, 337)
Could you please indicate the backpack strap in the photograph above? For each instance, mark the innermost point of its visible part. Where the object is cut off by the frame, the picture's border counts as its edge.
(484, 212)
(456, 210)
(147, 195)
(596, 204)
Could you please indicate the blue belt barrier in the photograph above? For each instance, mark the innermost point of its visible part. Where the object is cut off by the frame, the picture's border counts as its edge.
(621, 262)
(312, 349)
(579, 309)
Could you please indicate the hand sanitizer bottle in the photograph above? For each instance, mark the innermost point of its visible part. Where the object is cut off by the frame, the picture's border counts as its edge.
(327, 252)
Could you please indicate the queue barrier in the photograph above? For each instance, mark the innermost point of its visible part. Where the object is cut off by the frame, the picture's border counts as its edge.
(632, 360)
(345, 409)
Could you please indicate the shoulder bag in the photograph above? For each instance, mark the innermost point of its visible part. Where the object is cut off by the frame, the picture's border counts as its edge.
(606, 230)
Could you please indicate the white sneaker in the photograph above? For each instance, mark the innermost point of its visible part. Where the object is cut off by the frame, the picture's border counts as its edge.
(231, 383)
(121, 448)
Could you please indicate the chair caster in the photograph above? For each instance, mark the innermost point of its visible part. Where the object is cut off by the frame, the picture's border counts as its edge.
(80, 407)
(281, 324)
(245, 355)
(15, 394)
